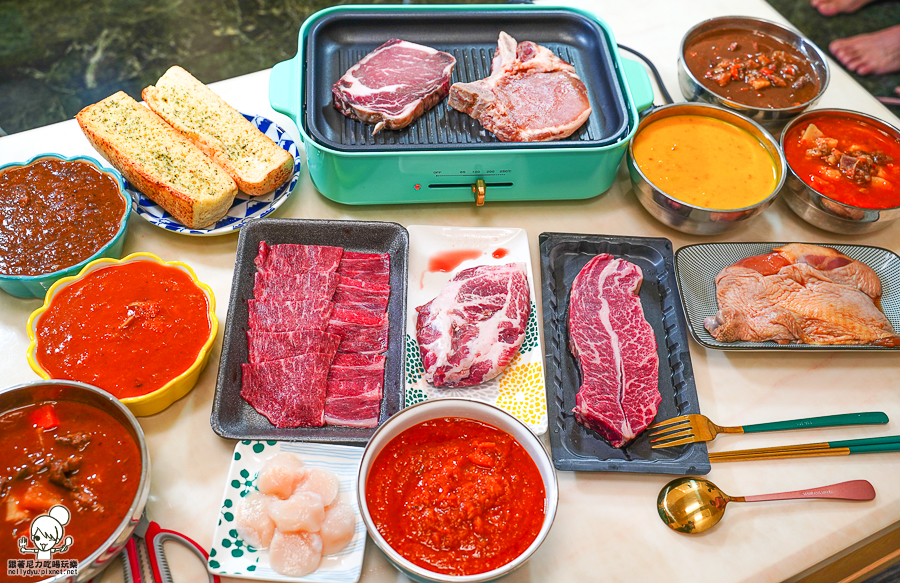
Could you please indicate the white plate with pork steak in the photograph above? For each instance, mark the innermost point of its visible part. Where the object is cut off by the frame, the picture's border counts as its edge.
(698, 265)
(313, 347)
(486, 319)
(574, 446)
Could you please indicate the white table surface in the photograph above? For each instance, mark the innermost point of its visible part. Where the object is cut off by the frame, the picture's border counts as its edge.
(607, 526)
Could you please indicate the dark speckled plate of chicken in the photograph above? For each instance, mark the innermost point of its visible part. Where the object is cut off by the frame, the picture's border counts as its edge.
(790, 296)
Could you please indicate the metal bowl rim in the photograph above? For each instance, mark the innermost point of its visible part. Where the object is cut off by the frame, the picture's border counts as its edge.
(778, 186)
(140, 498)
(825, 80)
(836, 112)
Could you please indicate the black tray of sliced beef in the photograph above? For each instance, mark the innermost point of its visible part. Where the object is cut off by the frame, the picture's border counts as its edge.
(314, 343)
(611, 329)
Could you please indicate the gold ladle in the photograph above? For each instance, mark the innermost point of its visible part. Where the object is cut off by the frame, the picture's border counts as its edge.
(692, 505)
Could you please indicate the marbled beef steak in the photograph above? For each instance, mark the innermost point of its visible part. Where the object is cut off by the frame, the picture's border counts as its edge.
(615, 348)
(531, 95)
(394, 85)
(471, 331)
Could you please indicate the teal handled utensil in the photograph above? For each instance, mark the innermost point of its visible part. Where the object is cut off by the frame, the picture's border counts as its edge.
(693, 428)
(889, 443)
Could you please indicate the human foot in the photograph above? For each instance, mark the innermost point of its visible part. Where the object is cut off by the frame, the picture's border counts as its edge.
(832, 7)
(870, 54)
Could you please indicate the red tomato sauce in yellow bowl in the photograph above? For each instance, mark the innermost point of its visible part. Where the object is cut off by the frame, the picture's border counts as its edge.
(456, 496)
(129, 328)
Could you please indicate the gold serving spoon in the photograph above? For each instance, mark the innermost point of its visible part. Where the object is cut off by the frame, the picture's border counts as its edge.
(692, 505)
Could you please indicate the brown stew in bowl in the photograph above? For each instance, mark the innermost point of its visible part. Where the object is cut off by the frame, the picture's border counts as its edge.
(63, 453)
(54, 214)
(752, 68)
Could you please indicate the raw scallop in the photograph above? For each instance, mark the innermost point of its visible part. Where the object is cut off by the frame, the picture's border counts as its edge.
(338, 528)
(302, 511)
(295, 555)
(323, 483)
(253, 523)
(280, 475)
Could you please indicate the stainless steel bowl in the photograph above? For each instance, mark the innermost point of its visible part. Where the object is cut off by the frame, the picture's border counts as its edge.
(689, 218)
(773, 119)
(59, 390)
(436, 409)
(826, 213)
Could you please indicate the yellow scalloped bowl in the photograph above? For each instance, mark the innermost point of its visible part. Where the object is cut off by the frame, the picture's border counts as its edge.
(154, 402)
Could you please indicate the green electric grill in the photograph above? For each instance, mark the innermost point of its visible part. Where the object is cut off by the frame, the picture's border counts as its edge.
(446, 156)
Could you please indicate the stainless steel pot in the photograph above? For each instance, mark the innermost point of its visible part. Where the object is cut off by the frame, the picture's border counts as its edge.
(773, 119)
(60, 390)
(693, 219)
(826, 213)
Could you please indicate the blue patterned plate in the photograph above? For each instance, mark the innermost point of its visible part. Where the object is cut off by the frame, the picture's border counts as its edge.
(244, 208)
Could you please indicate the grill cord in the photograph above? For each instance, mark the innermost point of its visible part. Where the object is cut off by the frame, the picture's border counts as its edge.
(659, 83)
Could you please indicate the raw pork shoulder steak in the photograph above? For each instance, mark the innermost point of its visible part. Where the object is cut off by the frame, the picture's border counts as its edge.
(531, 96)
(394, 85)
(616, 349)
(471, 331)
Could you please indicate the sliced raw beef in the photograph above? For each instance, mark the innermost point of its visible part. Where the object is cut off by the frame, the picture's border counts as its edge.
(354, 390)
(362, 331)
(288, 258)
(357, 366)
(531, 95)
(394, 85)
(285, 316)
(471, 331)
(290, 392)
(265, 346)
(615, 348)
(358, 410)
(370, 267)
(359, 294)
(303, 286)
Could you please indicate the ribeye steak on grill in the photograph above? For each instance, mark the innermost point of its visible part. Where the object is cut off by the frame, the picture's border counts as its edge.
(394, 85)
(531, 95)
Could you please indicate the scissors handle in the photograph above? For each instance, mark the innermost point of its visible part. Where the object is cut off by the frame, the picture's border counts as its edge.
(156, 537)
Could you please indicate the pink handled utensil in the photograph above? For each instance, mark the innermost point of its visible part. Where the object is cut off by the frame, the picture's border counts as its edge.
(692, 505)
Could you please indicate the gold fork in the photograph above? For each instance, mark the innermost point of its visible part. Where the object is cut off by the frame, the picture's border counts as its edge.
(694, 428)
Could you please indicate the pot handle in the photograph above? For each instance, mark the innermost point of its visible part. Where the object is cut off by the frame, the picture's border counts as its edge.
(283, 88)
(638, 83)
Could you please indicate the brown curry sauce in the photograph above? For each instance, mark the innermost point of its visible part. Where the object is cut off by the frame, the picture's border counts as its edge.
(752, 68)
(55, 214)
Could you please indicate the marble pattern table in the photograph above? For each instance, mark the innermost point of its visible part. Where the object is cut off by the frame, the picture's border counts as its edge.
(607, 527)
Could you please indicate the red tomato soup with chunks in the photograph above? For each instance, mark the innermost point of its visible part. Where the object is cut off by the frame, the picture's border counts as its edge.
(847, 160)
(63, 453)
(456, 496)
(129, 328)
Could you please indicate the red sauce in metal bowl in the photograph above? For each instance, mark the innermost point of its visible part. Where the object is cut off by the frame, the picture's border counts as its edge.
(129, 328)
(54, 214)
(456, 496)
(67, 453)
(847, 160)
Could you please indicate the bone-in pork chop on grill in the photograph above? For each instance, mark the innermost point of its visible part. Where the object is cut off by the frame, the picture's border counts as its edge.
(531, 95)
(472, 330)
(394, 85)
(615, 348)
(800, 293)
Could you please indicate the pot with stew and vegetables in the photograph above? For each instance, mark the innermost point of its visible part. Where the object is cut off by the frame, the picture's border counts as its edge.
(844, 170)
(758, 68)
(74, 478)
